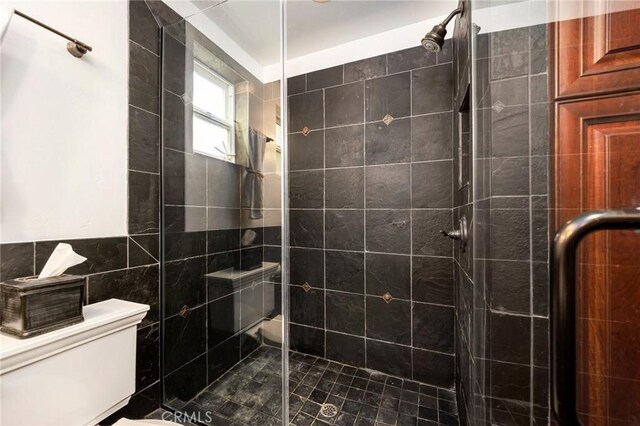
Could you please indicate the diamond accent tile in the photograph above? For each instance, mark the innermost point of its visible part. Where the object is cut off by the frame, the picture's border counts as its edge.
(306, 131)
(387, 297)
(306, 287)
(498, 106)
(387, 119)
(185, 311)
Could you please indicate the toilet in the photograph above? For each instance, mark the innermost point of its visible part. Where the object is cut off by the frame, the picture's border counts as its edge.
(77, 375)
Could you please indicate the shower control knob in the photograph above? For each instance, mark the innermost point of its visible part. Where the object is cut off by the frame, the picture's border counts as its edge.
(460, 234)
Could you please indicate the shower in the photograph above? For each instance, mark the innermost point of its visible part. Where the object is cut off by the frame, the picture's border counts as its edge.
(434, 39)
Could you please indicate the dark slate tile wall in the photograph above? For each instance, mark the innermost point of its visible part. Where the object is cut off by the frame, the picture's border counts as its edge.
(126, 267)
(510, 345)
(206, 322)
(370, 187)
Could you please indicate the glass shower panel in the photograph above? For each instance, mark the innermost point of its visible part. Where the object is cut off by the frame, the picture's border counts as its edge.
(510, 367)
(221, 213)
(555, 130)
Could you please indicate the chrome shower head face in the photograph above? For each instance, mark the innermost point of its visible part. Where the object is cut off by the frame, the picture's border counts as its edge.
(434, 39)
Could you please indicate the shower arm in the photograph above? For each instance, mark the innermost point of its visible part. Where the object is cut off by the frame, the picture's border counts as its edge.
(451, 15)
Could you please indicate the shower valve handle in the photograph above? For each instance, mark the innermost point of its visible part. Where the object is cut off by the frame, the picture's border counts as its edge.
(460, 234)
(454, 235)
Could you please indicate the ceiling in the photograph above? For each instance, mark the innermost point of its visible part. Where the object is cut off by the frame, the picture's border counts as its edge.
(311, 27)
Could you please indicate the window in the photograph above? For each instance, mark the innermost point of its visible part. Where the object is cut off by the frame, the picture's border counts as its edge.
(213, 114)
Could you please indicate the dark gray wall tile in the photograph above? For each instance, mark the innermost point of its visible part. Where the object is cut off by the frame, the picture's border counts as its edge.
(307, 307)
(184, 178)
(143, 78)
(176, 123)
(388, 186)
(184, 244)
(365, 69)
(510, 234)
(177, 64)
(17, 260)
(345, 348)
(432, 89)
(185, 338)
(223, 357)
(344, 146)
(296, 84)
(427, 239)
(388, 320)
(432, 184)
(345, 312)
(389, 358)
(306, 339)
(510, 286)
(144, 207)
(510, 131)
(306, 110)
(344, 229)
(145, 32)
(388, 143)
(344, 188)
(408, 59)
(144, 137)
(514, 91)
(307, 266)
(539, 169)
(432, 280)
(306, 152)
(432, 137)
(143, 249)
(184, 284)
(388, 274)
(539, 129)
(344, 105)
(147, 356)
(306, 189)
(510, 176)
(433, 368)
(345, 271)
(140, 285)
(510, 338)
(540, 288)
(325, 78)
(388, 95)
(388, 231)
(103, 254)
(432, 325)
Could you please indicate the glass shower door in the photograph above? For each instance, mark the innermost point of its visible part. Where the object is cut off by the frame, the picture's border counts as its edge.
(222, 326)
(556, 131)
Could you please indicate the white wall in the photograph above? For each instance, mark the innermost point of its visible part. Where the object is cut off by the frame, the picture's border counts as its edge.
(63, 139)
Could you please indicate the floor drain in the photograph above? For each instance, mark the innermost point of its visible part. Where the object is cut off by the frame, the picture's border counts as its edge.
(328, 410)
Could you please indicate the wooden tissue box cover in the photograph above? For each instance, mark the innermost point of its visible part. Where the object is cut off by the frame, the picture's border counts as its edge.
(32, 306)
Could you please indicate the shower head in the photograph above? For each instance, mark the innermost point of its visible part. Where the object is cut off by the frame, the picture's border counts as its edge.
(434, 39)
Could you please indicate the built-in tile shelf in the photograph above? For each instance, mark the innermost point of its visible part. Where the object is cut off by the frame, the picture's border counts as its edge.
(238, 278)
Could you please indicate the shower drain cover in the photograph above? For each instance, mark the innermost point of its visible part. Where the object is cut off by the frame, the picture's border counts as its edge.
(328, 410)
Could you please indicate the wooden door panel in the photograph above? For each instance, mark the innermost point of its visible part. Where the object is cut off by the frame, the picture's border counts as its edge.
(597, 54)
(597, 166)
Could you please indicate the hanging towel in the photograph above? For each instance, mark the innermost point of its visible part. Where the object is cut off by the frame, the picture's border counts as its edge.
(252, 191)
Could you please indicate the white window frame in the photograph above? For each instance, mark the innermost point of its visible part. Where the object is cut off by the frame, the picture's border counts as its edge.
(227, 123)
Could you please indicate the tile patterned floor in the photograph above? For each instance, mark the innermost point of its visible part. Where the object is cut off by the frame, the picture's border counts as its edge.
(249, 394)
